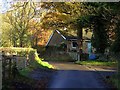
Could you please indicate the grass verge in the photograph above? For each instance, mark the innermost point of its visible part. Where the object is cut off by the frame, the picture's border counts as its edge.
(38, 62)
(114, 81)
(97, 63)
(23, 82)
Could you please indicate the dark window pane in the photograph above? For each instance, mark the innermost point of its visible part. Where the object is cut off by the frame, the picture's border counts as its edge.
(75, 44)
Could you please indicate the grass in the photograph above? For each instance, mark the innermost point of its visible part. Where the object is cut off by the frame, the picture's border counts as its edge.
(24, 79)
(23, 76)
(26, 71)
(36, 63)
(97, 63)
(20, 79)
(114, 81)
(42, 63)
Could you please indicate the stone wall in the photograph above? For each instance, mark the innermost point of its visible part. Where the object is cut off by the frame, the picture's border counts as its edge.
(21, 62)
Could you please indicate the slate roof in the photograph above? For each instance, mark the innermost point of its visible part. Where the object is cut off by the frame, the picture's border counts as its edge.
(72, 37)
(66, 36)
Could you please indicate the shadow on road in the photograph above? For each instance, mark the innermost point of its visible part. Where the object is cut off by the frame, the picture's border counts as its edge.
(70, 75)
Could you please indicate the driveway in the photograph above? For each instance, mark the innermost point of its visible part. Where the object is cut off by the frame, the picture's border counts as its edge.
(70, 75)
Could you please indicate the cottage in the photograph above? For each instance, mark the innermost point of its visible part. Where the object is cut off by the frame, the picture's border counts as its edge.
(57, 38)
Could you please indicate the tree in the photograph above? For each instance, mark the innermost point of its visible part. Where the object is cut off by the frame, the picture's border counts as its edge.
(19, 18)
(99, 20)
(116, 22)
(100, 37)
(81, 22)
(5, 37)
(61, 14)
(105, 20)
(65, 15)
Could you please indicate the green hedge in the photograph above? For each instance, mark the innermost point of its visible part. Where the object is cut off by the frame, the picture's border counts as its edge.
(30, 52)
(17, 51)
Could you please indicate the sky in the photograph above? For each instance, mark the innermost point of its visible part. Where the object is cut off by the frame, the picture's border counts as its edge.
(4, 5)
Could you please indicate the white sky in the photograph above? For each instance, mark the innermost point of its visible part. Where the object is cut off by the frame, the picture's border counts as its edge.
(4, 5)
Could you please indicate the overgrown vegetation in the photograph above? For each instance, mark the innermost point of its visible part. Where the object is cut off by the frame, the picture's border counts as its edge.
(23, 82)
(114, 81)
(58, 57)
(22, 79)
(56, 54)
(30, 52)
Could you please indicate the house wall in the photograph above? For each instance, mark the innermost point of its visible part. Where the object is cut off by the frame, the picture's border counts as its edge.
(56, 39)
(85, 47)
(69, 46)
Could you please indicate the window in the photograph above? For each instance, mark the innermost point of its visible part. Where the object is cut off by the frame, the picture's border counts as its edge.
(74, 44)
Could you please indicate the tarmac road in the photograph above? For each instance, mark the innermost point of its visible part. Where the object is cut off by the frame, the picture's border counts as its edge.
(71, 75)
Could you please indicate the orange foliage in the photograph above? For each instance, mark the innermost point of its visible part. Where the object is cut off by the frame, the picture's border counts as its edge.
(43, 37)
(37, 31)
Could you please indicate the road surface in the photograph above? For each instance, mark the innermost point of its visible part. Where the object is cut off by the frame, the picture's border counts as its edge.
(70, 75)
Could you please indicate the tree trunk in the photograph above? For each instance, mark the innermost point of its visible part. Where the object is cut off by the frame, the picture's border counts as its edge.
(36, 41)
(21, 43)
(80, 43)
(14, 41)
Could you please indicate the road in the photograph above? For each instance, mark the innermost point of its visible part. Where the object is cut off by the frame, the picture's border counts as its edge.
(71, 75)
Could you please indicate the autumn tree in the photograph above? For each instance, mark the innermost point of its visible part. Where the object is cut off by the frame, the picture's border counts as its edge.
(19, 19)
(62, 15)
(99, 20)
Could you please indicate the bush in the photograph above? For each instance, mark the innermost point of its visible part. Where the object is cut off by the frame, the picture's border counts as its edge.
(58, 56)
(42, 63)
(17, 51)
(40, 49)
(30, 52)
(85, 56)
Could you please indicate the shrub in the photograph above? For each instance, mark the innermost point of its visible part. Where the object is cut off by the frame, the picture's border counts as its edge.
(30, 52)
(17, 51)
